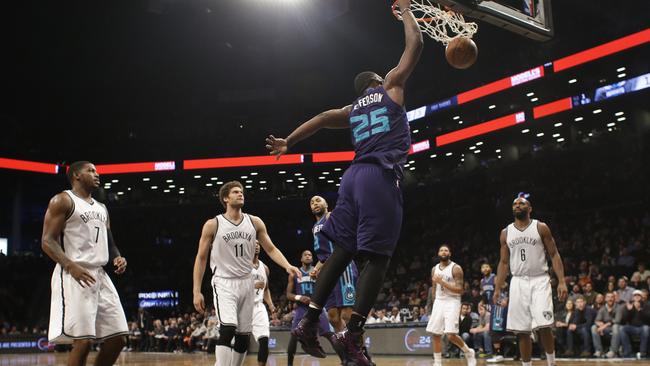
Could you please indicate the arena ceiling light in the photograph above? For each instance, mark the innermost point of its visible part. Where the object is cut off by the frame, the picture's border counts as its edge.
(253, 173)
(492, 106)
(534, 99)
(596, 111)
(282, 172)
(561, 139)
(559, 124)
(578, 119)
(213, 178)
(573, 81)
(530, 94)
(497, 151)
(154, 187)
(145, 179)
(620, 119)
(169, 181)
(477, 152)
(622, 75)
(525, 130)
(619, 113)
(620, 69)
(197, 177)
(262, 182)
(337, 169)
(433, 156)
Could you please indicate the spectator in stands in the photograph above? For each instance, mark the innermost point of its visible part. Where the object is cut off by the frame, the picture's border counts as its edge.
(576, 291)
(599, 302)
(196, 337)
(625, 260)
(465, 323)
(134, 338)
(580, 325)
(481, 333)
(145, 325)
(562, 317)
(636, 282)
(174, 336)
(395, 316)
(381, 317)
(211, 335)
(589, 294)
(635, 322)
(371, 319)
(414, 315)
(159, 337)
(275, 321)
(642, 271)
(393, 302)
(604, 327)
(624, 291)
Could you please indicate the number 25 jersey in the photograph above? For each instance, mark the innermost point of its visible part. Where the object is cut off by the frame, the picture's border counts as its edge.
(380, 130)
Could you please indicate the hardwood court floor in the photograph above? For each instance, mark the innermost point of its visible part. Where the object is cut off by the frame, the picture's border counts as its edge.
(200, 359)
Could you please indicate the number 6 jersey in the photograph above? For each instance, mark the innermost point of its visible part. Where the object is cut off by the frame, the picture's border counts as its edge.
(233, 248)
(527, 252)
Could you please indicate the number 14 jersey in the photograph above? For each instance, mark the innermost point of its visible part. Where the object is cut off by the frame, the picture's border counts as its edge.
(233, 248)
(527, 252)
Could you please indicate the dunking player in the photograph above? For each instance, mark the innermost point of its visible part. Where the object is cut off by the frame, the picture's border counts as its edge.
(261, 324)
(524, 245)
(339, 303)
(447, 277)
(299, 289)
(85, 305)
(368, 213)
(229, 240)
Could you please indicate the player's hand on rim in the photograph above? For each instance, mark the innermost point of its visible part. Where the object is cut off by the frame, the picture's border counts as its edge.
(276, 146)
(199, 303)
(120, 265)
(81, 275)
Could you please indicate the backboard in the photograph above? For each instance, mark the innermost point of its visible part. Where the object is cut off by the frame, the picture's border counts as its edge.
(530, 18)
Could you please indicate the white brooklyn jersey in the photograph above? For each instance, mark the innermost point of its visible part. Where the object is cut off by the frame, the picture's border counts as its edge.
(527, 253)
(259, 275)
(85, 238)
(233, 248)
(447, 275)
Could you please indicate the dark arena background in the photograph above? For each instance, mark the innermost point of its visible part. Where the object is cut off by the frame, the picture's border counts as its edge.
(172, 98)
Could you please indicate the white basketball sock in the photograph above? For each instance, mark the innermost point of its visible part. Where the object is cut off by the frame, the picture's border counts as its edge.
(238, 358)
(224, 355)
(529, 363)
(437, 356)
(550, 359)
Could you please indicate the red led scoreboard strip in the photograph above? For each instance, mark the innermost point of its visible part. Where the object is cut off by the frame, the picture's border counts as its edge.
(552, 108)
(242, 161)
(153, 166)
(499, 85)
(603, 50)
(30, 166)
(336, 156)
(481, 128)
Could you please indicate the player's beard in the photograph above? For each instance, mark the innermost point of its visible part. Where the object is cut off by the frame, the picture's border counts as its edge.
(521, 215)
(443, 258)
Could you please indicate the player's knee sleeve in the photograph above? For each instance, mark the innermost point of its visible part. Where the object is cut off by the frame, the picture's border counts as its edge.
(263, 351)
(241, 343)
(370, 282)
(226, 334)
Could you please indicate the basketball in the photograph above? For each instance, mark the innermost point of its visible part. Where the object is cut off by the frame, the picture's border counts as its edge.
(461, 52)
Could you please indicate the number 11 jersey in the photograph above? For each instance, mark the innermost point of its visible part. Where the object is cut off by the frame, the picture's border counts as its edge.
(233, 248)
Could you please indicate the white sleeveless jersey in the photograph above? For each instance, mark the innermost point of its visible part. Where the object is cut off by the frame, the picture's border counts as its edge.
(85, 237)
(233, 248)
(527, 253)
(447, 275)
(259, 275)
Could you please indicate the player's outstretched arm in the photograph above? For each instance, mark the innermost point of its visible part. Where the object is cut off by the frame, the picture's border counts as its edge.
(396, 78)
(270, 248)
(207, 237)
(556, 259)
(502, 269)
(333, 118)
(58, 210)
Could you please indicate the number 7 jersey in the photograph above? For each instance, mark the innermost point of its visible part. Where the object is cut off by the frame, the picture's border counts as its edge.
(380, 130)
(233, 248)
(527, 252)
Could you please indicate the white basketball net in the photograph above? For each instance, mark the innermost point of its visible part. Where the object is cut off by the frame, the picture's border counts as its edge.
(441, 25)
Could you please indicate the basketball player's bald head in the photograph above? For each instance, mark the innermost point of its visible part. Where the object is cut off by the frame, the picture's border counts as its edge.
(318, 205)
(306, 258)
(521, 208)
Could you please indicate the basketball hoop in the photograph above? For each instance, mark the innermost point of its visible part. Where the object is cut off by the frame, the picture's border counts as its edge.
(440, 24)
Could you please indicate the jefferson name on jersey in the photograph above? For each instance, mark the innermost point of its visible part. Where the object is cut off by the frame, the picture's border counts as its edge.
(368, 100)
